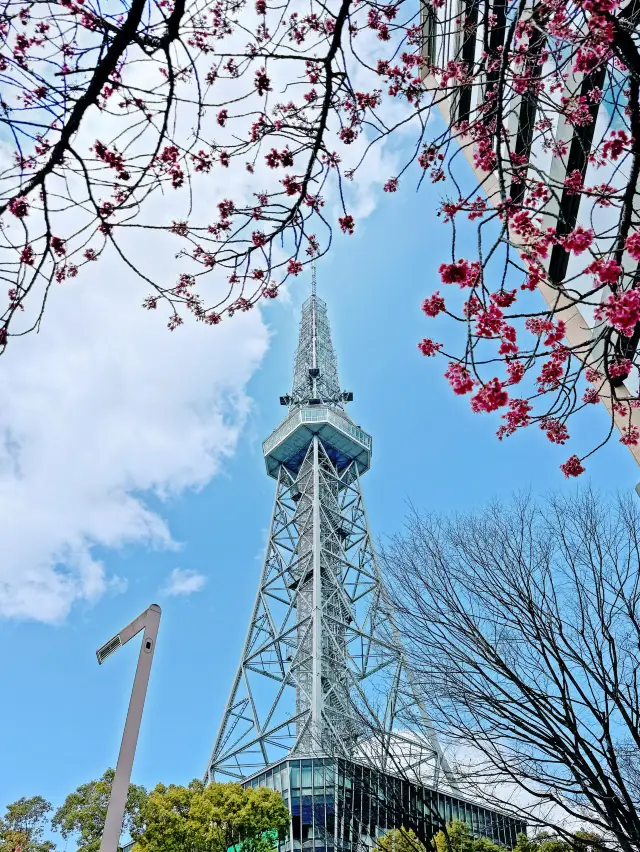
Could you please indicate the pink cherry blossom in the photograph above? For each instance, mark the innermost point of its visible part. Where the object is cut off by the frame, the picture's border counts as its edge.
(550, 375)
(539, 325)
(632, 245)
(462, 272)
(19, 206)
(459, 378)
(556, 334)
(490, 397)
(489, 322)
(630, 436)
(58, 246)
(347, 224)
(621, 367)
(578, 240)
(574, 182)
(515, 371)
(606, 271)
(622, 311)
(428, 347)
(434, 305)
(504, 298)
(555, 431)
(572, 467)
(518, 416)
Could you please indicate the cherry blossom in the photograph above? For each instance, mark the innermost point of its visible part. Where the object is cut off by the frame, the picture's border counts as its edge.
(490, 397)
(462, 272)
(347, 224)
(19, 206)
(253, 123)
(459, 378)
(572, 467)
(622, 311)
(428, 347)
(630, 436)
(433, 305)
(632, 245)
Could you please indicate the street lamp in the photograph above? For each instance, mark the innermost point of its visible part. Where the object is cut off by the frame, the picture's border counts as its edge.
(149, 620)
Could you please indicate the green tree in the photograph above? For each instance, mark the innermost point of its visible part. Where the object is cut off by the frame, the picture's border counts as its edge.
(457, 837)
(210, 819)
(582, 841)
(23, 825)
(400, 840)
(84, 812)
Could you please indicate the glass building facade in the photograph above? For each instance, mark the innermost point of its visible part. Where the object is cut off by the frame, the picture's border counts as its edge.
(338, 804)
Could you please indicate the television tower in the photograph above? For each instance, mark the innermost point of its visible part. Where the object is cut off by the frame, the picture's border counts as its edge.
(322, 671)
(323, 703)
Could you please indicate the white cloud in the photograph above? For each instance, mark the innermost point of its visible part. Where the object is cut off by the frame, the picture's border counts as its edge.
(184, 582)
(104, 407)
(99, 410)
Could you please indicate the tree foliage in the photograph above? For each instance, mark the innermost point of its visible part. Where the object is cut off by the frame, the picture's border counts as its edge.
(400, 840)
(457, 837)
(169, 819)
(83, 813)
(236, 128)
(211, 819)
(580, 841)
(522, 627)
(23, 826)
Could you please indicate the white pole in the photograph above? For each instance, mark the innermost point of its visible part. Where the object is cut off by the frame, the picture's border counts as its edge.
(150, 620)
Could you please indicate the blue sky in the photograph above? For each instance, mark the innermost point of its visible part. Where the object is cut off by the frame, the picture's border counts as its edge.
(61, 715)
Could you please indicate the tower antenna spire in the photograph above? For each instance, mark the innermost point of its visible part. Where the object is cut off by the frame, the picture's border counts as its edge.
(313, 278)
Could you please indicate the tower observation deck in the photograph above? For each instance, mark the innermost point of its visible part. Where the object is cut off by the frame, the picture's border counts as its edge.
(323, 707)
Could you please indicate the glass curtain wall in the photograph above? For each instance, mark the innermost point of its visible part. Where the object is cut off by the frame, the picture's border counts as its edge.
(341, 806)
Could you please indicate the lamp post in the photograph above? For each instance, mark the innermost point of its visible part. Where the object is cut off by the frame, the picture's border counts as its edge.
(149, 621)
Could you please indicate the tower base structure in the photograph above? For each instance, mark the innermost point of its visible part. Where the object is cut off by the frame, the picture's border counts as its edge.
(340, 805)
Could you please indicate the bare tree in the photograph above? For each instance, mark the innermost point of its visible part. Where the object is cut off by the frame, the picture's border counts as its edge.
(522, 624)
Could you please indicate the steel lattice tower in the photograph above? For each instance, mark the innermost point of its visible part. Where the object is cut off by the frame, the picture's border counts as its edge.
(323, 708)
(322, 670)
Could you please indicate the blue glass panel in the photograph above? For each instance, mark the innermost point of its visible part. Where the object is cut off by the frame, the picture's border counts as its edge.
(295, 775)
(307, 810)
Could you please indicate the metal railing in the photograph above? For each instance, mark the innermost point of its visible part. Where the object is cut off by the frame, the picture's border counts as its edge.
(315, 415)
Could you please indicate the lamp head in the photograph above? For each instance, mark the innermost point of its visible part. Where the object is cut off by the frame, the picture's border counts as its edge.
(108, 648)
